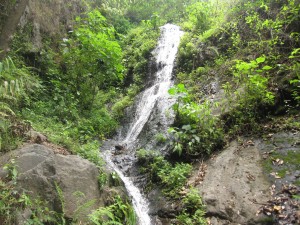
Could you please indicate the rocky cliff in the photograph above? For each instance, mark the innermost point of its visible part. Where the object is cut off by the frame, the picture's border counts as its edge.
(52, 18)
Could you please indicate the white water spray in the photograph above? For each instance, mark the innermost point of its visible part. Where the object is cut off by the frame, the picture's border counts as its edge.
(165, 54)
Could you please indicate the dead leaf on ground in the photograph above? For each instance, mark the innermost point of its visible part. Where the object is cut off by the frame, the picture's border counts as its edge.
(200, 175)
(250, 143)
(282, 206)
(250, 176)
(277, 208)
(275, 175)
(277, 162)
(266, 155)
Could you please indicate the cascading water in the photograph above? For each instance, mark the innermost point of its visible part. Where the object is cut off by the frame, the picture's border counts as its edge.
(154, 96)
(165, 54)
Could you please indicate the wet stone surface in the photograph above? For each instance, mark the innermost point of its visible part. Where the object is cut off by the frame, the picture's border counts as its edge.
(281, 163)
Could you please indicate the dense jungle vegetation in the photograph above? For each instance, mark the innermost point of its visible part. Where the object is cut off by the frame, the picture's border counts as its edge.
(74, 90)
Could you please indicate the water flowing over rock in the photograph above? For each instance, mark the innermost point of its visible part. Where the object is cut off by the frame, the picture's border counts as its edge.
(153, 106)
(152, 114)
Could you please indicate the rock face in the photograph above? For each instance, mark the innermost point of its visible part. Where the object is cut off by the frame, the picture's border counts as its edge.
(233, 183)
(53, 18)
(44, 173)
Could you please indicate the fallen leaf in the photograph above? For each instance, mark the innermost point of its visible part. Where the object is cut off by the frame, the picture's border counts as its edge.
(277, 208)
(281, 216)
(275, 174)
(250, 142)
(277, 162)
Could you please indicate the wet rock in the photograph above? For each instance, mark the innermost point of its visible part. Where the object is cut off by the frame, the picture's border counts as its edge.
(282, 162)
(162, 209)
(119, 147)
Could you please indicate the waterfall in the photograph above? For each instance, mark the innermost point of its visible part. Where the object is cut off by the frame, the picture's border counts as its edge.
(165, 54)
(154, 96)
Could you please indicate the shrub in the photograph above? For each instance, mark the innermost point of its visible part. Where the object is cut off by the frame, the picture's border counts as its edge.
(146, 156)
(171, 177)
(160, 138)
(197, 131)
(193, 209)
(249, 97)
(16, 84)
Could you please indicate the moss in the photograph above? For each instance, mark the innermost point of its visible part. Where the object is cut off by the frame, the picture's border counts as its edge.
(291, 162)
(267, 221)
(297, 182)
(292, 158)
(267, 166)
(282, 172)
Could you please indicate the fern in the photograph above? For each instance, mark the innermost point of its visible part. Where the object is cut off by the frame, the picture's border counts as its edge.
(15, 85)
(5, 110)
(98, 216)
(113, 223)
(215, 49)
(116, 213)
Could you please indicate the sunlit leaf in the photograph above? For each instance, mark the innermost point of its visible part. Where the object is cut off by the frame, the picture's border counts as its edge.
(260, 59)
(267, 68)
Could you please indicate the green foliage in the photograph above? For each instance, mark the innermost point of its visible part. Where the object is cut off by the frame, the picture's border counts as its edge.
(90, 151)
(118, 107)
(93, 58)
(102, 179)
(72, 136)
(138, 10)
(16, 83)
(146, 156)
(161, 138)
(259, 40)
(174, 178)
(196, 131)
(114, 179)
(15, 86)
(252, 77)
(198, 17)
(62, 203)
(251, 93)
(119, 212)
(115, 16)
(137, 52)
(295, 81)
(171, 177)
(193, 209)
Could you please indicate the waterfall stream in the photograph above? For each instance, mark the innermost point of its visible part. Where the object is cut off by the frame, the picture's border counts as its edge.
(154, 96)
